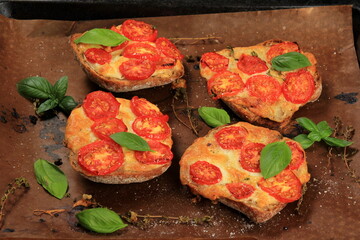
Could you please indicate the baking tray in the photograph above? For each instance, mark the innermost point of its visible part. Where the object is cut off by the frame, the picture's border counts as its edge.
(329, 209)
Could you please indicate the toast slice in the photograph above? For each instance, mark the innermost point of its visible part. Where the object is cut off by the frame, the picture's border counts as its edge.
(244, 79)
(224, 166)
(87, 137)
(125, 67)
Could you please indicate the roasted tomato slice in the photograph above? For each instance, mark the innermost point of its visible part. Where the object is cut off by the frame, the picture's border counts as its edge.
(119, 47)
(100, 104)
(138, 31)
(251, 64)
(205, 173)
(137, 69)
(165, 62)
(281, 48)
(168, 48)
(151, 127)
(117, 29)
(214, 61)
(297, 155)
(101, 157)
(250, 156)
(104, 127)
(267, 88)
(231, 137)
(225, 84)
(240, 190)
(162, 154)
(285, 186)
(141, 51)
(142, 107)
(97, 55)
(298, 86)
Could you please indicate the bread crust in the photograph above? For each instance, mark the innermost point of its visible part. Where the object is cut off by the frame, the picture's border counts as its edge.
(249, 108)
(159, 78)
(260, 206)
(120, 176)
(78, 133)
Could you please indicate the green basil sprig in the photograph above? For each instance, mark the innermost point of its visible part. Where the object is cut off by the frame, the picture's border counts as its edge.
(100, 220)
(214, 117)
(101, 36)
(290, 61)
(38, 88)
(318, 132)
(274, 158)
(131, 141)
(51, 178)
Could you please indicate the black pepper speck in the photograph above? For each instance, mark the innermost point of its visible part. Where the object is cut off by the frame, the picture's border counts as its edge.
(33, 119)
(3, 119)
(15, 114)
(58, 162)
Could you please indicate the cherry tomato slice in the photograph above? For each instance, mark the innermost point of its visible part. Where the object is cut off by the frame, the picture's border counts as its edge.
(168, 48)
(137, 69)
(151, 127)
(240, 190)
(298, 86)
(141, 51)
(104, 127)
(205, 173)
(165, 62)
(161, 155)
(267, 88)
(97, 55)
(117, 29)
(251, 64)
(100, 104)
(231, 137)
(250, 156)
(214, 61)
(138, 31)
(297, 155)
(101, 157)
(225, 84)
(119, 47)
(142, 107)
(285, 186)
(281, 48)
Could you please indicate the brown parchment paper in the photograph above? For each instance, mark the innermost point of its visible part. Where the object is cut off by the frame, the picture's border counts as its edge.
(330, 208)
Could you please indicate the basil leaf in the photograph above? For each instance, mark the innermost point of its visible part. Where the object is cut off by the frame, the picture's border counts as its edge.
(68, 104)
(100, 220)
(101, 36)
(335, 142)
(131, 141)
(34, 88)
(324, 129)
(307, 124)
(304, 141)
(214, 117)
(51, 178)
(274, 158)
(290, 61)
(314, 136)
(47, 105)
(60, 87)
